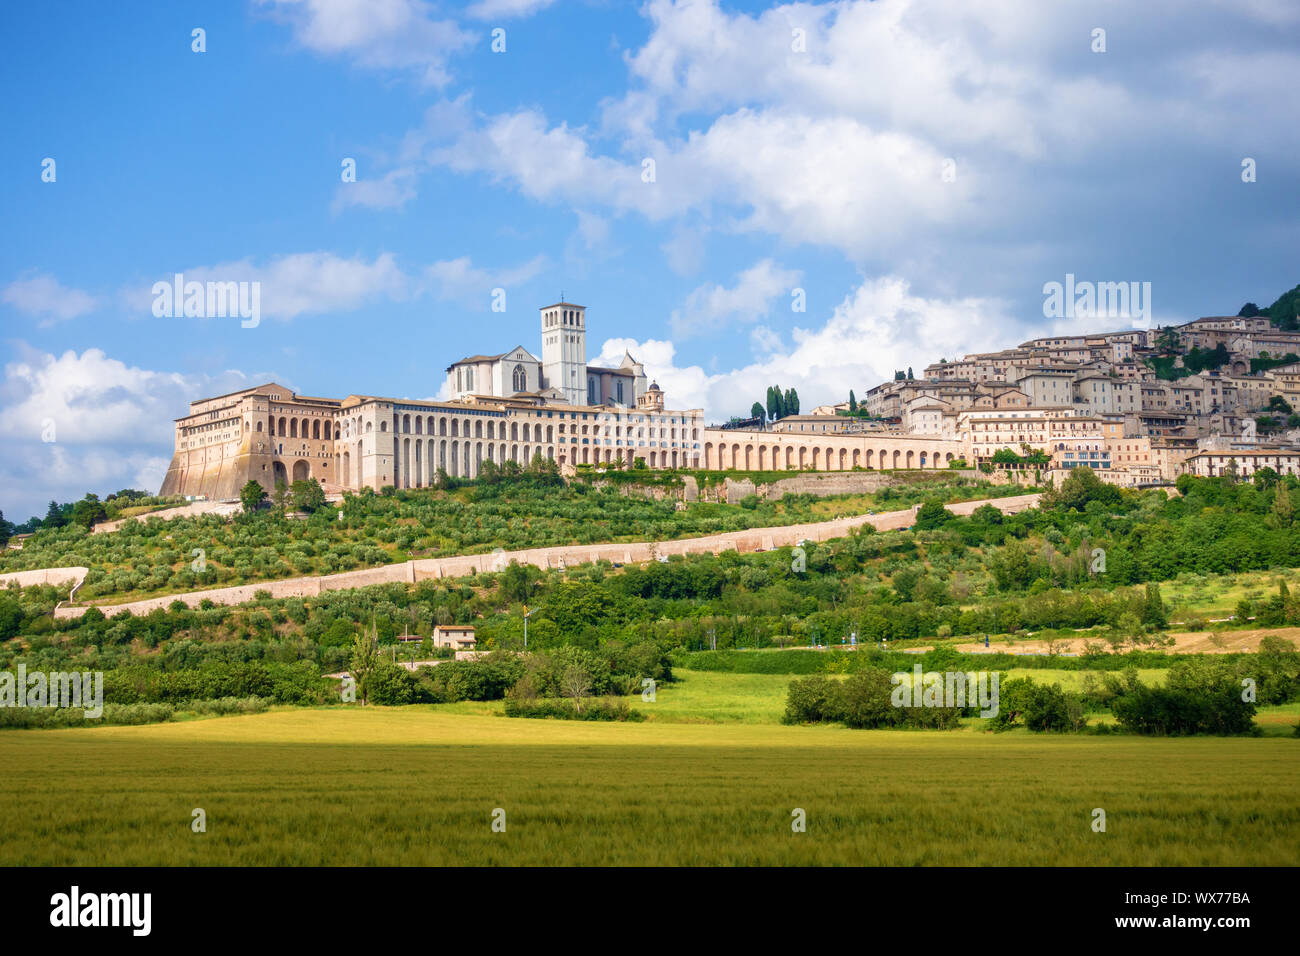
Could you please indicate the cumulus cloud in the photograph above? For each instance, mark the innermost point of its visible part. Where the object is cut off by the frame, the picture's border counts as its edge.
(712, 306)
(879, 327)
(79, 422)
(43, 297)
(304, 283)
(925, 139)
(505, 9)
(461, 280)
(403, 35)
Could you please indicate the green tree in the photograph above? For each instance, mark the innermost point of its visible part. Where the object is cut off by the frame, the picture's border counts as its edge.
(932, 515)
(6, 530)
(251, 496)
(307, 495)
(515, 583)
(1153, 608)
(365, 658)
(1282, 507)
(280, 497)
(88, 511)
(853, 401)
(756, 411)
(11, 617)
(55, 516)
(1167, 341)
(1083, 486)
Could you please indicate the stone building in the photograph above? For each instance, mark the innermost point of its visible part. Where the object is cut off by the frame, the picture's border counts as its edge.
(505, 407)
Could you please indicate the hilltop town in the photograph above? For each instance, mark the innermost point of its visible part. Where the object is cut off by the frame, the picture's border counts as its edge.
(1138, 406)
(1210, 397)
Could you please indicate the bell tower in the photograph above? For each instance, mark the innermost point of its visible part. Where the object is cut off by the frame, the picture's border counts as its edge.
(564, 350)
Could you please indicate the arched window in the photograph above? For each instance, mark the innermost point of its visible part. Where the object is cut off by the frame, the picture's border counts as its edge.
(520, 379)
(591, 391)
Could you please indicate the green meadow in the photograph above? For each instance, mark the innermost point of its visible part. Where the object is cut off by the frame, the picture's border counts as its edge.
(710, 778)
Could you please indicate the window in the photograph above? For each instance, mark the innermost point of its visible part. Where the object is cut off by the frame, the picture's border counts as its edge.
(520, 379)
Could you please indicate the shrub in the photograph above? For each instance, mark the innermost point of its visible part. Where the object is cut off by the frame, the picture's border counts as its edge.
(1199, 697)
(611, 708)
(811, 700)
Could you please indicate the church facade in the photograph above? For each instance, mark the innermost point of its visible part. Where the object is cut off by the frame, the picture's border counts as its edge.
(560, 375)
(506, 407)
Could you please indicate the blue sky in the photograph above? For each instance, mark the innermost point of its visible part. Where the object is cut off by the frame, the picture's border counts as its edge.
(776, 168)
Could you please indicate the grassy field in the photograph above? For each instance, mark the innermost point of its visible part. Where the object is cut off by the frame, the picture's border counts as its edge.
(709, 779)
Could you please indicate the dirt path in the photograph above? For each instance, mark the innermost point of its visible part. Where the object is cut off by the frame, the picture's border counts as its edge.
(1185, 642)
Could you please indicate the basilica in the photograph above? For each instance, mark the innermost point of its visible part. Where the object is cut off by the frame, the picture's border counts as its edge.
(505, 407)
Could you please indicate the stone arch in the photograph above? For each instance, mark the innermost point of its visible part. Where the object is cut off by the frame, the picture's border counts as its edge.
(301, 470)
(278, 473)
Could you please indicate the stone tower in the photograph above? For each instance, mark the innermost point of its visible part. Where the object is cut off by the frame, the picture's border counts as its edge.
(564, 350)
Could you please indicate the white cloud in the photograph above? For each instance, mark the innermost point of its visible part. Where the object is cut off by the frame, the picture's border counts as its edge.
(382, 34)
(879, 327)
(393, 190)
(844, 145)
(712, 306)
(472, 285)
(74, 423)
(304, 283)
(505, 9)
(42, 296)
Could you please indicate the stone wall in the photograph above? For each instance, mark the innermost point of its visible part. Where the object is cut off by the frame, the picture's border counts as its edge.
(27, 579)
(409, 572)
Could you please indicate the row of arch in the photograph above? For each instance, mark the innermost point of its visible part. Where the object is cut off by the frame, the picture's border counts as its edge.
(317, 429)
(416, 460)
(457, 428)
(750, 456)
